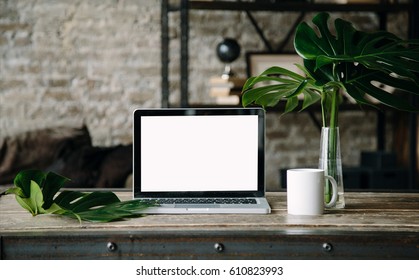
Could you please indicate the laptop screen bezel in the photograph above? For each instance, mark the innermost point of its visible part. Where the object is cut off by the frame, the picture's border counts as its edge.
(139, 113)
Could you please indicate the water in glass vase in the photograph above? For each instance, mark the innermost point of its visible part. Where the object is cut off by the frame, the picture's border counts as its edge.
(330, 160)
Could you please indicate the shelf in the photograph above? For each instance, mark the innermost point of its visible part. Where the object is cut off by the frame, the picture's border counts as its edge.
(289, 6)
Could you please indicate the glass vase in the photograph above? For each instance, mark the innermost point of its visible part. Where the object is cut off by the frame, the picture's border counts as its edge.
(330, 161)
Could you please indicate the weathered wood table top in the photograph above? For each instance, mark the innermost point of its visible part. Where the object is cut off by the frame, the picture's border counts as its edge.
(373, 225)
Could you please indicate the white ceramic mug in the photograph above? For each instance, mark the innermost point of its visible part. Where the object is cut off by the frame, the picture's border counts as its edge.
(305, 191)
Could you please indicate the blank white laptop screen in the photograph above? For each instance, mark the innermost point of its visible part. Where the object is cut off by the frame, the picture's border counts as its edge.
(199, 153)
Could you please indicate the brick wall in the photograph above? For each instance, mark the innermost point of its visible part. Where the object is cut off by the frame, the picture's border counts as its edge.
(68, 62)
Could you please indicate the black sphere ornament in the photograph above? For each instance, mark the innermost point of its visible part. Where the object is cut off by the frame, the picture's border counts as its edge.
(228, 50)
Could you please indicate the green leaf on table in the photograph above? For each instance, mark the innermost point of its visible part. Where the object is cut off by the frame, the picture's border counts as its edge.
(98, 206)
(35, 191)
(23, 180)
(26, 204)
(37, 198)
(33, 203)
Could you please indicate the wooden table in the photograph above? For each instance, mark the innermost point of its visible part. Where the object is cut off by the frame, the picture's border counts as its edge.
(372, 226)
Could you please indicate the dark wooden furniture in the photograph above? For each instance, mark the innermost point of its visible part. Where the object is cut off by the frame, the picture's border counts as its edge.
(373, 226)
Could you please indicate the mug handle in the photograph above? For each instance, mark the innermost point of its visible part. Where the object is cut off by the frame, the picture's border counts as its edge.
(335, 192)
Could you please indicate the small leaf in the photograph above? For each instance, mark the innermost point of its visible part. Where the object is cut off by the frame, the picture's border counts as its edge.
(310, 98)
(34, 202)
(291, 104)
(26, 203)
(37, 198)
(23, 180)
(16, 191)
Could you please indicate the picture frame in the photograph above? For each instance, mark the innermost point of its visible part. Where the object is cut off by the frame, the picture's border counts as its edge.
(257, 62)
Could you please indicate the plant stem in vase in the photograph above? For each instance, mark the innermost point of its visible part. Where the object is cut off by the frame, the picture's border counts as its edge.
(330, 160)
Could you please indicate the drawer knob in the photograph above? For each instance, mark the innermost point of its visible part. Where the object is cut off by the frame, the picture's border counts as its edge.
(218, 247)
(327, 247)
(111, 246)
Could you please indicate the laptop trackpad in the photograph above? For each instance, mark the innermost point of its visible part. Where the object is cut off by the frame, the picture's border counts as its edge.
(192, 206)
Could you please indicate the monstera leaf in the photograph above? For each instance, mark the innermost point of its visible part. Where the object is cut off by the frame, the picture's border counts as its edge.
(36, 191)
(363, 64)
(286, 84)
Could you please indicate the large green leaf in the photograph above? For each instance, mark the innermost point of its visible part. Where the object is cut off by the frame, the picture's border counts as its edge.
(365, 65)
(35, 191)
(284, 84)
(98, 206)
(358, 59)
(80, 201)
(381, 48)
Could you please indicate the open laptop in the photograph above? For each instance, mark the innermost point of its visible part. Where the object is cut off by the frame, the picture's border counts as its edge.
(200, 160)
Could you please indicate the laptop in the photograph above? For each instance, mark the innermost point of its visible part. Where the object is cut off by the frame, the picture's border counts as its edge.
(195, 160)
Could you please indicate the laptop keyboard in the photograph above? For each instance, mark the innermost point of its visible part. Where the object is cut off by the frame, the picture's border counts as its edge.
(206, 201)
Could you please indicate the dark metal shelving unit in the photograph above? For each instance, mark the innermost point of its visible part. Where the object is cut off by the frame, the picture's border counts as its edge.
(183, 7)
(382, 9)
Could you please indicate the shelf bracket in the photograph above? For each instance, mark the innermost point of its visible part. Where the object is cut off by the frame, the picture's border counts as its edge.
(291, 32)
(184, 53)
(259, 31)
(164, 54)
